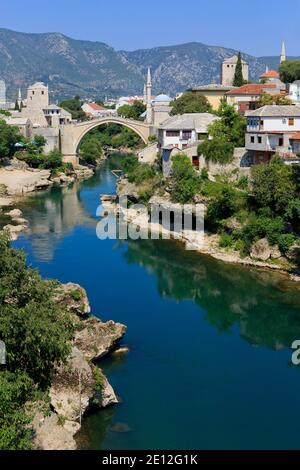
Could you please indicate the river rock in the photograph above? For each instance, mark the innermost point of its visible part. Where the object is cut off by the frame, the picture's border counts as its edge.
(14, 230)
(261, 250)
(108, 396)
(52, 433)
(14, 213)
(275, 252)
(74, 298)
(293, 252)
(97, 339)
(73, 387)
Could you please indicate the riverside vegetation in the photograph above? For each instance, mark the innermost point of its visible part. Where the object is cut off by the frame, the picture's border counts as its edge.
(250, 215)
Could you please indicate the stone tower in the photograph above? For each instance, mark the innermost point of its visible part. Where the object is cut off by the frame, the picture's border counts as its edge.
(283, 53)
(37, 96)
(228, 70)
(149, 97)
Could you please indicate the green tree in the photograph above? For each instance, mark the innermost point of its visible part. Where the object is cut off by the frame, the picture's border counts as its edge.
(290, 71)
(35, 329)
(73, 106)
(9, 136)
(15, 390)
(238, 79)
(231, 126)
(17, 107)
(91, 149)
(133, 111)
(273, 185)
(268, 99)
(216, 151)
(190, 103)
(186, 182)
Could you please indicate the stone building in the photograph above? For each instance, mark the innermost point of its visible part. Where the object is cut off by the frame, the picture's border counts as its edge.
(228, 70)
(214, 93)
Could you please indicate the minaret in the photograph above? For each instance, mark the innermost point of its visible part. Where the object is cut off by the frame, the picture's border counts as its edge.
(283, 53)
(149, 97)
(19, 98)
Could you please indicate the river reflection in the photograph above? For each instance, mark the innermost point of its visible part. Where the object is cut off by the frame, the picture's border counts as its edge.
(210, 361)
(265, 305)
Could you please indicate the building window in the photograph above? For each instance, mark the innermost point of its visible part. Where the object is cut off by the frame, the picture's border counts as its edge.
(261, 122)
(252, 139)
(172, 133)
(284, 121)
(259, 139)
(291, 121)
(280, 142)
(186, 135)
(43, 93)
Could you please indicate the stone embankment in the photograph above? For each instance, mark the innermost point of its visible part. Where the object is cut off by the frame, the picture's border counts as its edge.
(79, 384)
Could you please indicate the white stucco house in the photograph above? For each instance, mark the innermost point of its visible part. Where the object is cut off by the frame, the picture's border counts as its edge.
(183, 133)
(273, 130)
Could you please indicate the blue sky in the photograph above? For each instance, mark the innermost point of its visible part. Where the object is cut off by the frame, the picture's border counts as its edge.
(253, 26)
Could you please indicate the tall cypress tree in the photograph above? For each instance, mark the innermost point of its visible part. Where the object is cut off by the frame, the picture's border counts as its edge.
(238, 76)
(17, 106)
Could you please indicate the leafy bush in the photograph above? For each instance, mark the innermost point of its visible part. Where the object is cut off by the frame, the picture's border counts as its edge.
(217, 151)
(226, 241)
(285, 241)
(190, 102)
(141, 172)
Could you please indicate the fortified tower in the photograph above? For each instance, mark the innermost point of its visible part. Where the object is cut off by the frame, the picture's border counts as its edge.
(37, 96)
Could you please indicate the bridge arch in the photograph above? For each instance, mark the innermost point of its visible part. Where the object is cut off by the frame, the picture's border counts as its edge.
(72, 134)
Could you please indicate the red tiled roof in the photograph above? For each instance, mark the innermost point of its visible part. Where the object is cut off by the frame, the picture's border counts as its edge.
(296, 136)
(270, 74)
(251, 89)
(95, 106)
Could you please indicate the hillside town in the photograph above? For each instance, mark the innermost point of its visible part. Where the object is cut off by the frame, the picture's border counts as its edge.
(231, 149)
(272, 128)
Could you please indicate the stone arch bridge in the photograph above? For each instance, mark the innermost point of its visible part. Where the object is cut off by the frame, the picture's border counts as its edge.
(72, 134)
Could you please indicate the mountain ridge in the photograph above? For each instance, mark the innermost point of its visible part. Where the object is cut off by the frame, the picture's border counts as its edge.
(94, 69)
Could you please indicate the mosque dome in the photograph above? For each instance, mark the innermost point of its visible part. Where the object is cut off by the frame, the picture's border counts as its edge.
(162, 99)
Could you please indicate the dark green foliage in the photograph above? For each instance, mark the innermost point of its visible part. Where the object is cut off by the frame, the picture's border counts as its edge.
(290, 71)
(217, 151)
(186, 182)
(231, 127)
(91, 148)
(9, 136)
(273, 185)
(34, 158)
(141, 172)
(110, 135)
(35, 329)
(15, 390)
(238, 75)
(132, 111)
(190, 103)
(73, 106)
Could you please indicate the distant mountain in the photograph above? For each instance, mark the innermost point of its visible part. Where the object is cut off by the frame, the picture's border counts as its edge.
(273, 62)
(176, 68)
(69, 66)
(94, 69)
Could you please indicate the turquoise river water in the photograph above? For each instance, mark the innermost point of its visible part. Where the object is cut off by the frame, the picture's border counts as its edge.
(209, 365)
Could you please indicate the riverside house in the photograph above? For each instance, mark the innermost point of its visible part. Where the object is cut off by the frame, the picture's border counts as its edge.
(274, 130)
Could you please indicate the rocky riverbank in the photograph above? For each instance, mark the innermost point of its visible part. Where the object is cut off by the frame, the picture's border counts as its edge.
(262, 254)
(78, 385)
(17, 180)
